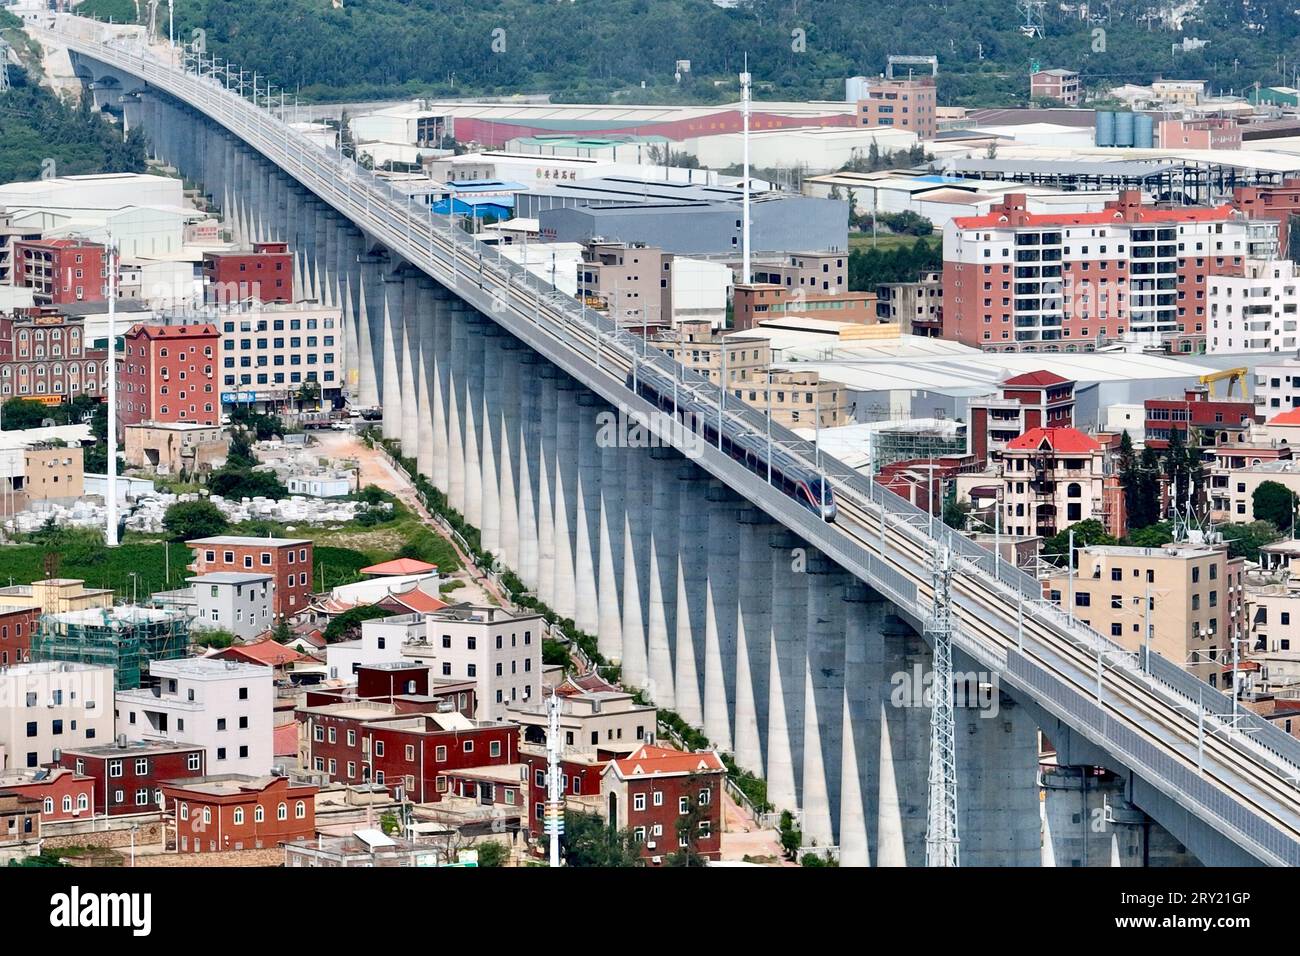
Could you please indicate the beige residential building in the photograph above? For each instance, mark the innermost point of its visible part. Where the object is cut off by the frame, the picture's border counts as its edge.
(697, 346)
(1242, 484)
(816, 273)
(1190, 600)
(172, 448)
(56, 595)
(52, 473)
(1046, 480)
(592, 721)
(628, 281)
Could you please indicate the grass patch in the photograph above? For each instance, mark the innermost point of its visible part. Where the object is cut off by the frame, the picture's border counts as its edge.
(886, 242)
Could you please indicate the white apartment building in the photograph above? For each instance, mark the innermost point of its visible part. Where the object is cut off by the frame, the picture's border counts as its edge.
(1277, 387)
(226, 707)
(380, 642)
(1254, 312)
(503, 654)
(1242, 483)
(52, 705)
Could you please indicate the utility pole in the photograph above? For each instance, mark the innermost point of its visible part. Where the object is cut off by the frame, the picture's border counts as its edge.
(110, 505)
(942, 842)
(554, 804)
(744, 220)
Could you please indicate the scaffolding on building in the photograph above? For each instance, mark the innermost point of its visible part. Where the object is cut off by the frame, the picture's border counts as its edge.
(126, 639)
(914, 440)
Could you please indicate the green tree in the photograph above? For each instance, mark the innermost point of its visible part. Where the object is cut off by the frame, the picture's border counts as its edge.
(955, 513)
(283, 633)
(1152, 536)
(347, 626)
(791, 838)
(20, 413)
(241, 483)
(589, 841)
(1086, 533)
(493, 853)
(1275, 503)
(554, 652)
(186, 520)
(1245, 540)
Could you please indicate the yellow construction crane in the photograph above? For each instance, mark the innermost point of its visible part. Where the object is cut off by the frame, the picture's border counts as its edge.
(1235, 376)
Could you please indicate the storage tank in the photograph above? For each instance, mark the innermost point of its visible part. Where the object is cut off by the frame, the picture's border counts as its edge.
(855, 89)
(1144, 131)
(1105, 128)
(1123, 129)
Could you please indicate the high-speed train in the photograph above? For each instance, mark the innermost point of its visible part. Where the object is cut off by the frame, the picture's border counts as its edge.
(791, 476)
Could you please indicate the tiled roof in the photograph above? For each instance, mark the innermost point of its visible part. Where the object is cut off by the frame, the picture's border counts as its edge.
(1289, 417)
(266, 652)
(1039, 378)
(417, 600)
(1058, 439)
(1000, 217)
(651, 761)
(400, 566)
(286, 739)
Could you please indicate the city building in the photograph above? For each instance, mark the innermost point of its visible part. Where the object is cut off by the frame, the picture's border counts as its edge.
(61, 270)
(287, 560)
(1015, 280)
(1276, 202)
(20, 826)
(901, 104)
(231, 811)
(1046, 480)
(627, 281)
(755, 302)
(1277, 387)
(1208, 133)
(698, 346)
(63, 795)
(45, 355)
(48, 705)
(127, 775)
(56, 595)
(812, 273)
(168, 374)
(1255, 311)
(1039, 399)
(409, 686)
(277, 355)
(1186, 601)
(1199, 418)
(1060, 85)
(175, 448)
(1178, 92)
(1232, 493)
(225, 707)
(238, 602)
(17, 626)
(590, 721)
(132, 640)
(502, 652)
(916, 306)
(656, 792)
(412, 752)
(262, 274)
(35, 474)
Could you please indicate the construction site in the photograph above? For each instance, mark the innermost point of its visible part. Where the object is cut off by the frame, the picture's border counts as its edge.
(125, 638)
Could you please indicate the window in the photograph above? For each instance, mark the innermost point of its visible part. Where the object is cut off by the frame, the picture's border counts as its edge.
(469, 747)
(658, 798)
(238, 816)
(379, 748)
(494, 748)
(683, 804)
(282, 812)
(705, 796)
(259, 814)
(440, 755)
(300, 810)
(638, 801)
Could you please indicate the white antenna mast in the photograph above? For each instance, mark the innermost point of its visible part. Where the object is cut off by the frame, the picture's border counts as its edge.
(554, 805)
(110, 505)
(744, 110)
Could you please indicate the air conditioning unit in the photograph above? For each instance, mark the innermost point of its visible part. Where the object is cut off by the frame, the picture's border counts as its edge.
(650, 845)
(58, 754)
(656, 859)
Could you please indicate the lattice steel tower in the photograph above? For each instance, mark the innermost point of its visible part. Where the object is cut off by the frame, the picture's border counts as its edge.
(942, 843)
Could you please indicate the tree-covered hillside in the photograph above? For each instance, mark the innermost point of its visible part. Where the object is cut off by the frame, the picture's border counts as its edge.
(589, 49)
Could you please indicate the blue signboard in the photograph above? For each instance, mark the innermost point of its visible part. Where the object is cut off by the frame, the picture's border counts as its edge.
(238, 398)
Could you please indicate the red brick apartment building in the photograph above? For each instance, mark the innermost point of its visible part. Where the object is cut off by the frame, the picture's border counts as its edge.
(264, 274)
(1277, 203)
(129, 778)
(44, 356)
(1218, 421)
(168, 374)
(16, 627)
(1033, 400)
(61, 270)
(288, 560)
(63, 795)
(1020, 281)
(409, 686)
(236, 812)
(580, 776)
(650, 791)
(368, 741)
